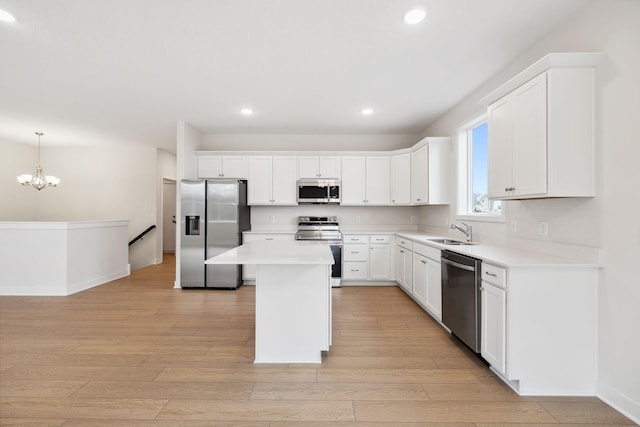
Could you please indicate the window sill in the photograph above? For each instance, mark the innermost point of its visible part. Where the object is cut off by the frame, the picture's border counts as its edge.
(481, 218)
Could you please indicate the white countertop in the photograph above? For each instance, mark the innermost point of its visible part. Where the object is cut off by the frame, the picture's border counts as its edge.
(503, 256)
(276, 252)
(499, 255)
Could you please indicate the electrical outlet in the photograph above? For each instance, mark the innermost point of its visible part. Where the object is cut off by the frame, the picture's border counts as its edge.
(413, 219)
(446, 221)
(543, 228)
(357, 219)
(273, 219)
(514, 226)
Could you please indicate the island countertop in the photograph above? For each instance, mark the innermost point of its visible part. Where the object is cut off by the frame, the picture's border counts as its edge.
(276, 252)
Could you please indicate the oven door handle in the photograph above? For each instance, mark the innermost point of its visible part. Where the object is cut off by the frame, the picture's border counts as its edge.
(457, 264)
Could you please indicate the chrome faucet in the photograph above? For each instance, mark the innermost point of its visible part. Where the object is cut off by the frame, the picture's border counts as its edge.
(467, 230)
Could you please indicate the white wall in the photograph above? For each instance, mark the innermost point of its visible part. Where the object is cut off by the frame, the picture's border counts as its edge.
(608, 221)
(265, 218)
(18, 203)
(103, 183)
(306, 142)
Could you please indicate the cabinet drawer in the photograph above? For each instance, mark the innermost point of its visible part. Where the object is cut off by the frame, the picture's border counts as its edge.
(380, 238)
(494, 275)
(355, 252)
(354, 270)
(427, 251)
(355, 238)
(405, 243)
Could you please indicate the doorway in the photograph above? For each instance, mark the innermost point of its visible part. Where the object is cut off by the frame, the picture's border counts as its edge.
(168, 216)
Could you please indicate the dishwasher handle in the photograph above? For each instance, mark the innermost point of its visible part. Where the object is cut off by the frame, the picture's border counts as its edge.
(457, 264)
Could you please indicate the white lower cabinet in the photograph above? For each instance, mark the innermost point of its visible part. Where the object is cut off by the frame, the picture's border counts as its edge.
(427, 286)
(404, 265)
(249, 270)
(493, 326)
(538, 327)
(367, 257)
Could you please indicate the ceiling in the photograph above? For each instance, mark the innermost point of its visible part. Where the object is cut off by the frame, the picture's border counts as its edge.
(125, 71)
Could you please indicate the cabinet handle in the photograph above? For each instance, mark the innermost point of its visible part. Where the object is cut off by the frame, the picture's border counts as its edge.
(490, 274)
(418, 200)
(269, 238)
(401, 252)
(379, 239)
(393, 201)
(355, 271)
(423, 261)
(510, 189)
(355, 252)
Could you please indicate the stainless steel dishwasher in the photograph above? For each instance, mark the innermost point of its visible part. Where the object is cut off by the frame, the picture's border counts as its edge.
(461, 297)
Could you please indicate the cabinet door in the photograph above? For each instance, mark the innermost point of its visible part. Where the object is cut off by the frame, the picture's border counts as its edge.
(530, 137)
(420, 176)
(400, 272)
(377, 180)
(493, 326)
(380, 261)
(434, 289)
(209, 166)
(499, 119)
(355, 252)
(420, 278)
(259, 186)
(401, 179)
(284, 180)
(234, 167)
(308, 166)
(329, 167)
(353, 180)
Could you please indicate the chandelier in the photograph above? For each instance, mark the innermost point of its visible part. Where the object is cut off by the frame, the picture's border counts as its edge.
(39, 180)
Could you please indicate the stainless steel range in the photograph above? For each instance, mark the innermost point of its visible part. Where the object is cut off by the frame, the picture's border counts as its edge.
(324, 228)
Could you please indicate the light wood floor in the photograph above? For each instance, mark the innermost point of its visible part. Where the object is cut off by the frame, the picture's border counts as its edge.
(136, 352)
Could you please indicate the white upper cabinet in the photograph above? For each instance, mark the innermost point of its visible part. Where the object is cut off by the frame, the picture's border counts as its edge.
(365, 180)
(319, 166)
(217, 166)
(401, 179)
(430, 166)
(272, 180)
(541, 141)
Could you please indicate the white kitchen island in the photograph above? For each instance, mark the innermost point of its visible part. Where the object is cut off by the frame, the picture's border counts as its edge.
(293, 298)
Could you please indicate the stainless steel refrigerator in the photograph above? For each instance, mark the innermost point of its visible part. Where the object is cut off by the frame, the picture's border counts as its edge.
(214, 213)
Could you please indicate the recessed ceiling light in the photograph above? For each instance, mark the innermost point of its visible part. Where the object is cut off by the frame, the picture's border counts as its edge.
(415, 15)
(366, 111)
(6, 16)
(246, 111)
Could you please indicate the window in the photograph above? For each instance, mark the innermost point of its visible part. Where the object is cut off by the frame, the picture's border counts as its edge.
(473, 162)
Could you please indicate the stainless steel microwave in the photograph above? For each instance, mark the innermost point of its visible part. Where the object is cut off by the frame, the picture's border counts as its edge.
(318, 191)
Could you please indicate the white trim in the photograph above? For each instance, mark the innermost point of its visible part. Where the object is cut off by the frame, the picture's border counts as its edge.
(619, 401)
(551, 60)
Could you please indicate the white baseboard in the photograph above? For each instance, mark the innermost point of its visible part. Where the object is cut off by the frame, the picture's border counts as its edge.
(368, 283)
(72, 288)
(619, 401)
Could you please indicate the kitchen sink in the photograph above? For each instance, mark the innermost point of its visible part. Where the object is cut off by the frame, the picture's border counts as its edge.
(449, 242)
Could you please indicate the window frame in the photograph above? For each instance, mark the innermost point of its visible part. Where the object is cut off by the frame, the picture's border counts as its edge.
(464, 174)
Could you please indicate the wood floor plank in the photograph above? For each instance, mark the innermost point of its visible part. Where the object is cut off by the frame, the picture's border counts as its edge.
(165, 390)
(257, 410)
(31, 422)
(81, 373)
(428, 376)
(158, 423)
(470, 392)
(80, 408)
(255, 374)
(432, 411)
(21, 387)
(338, 391)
